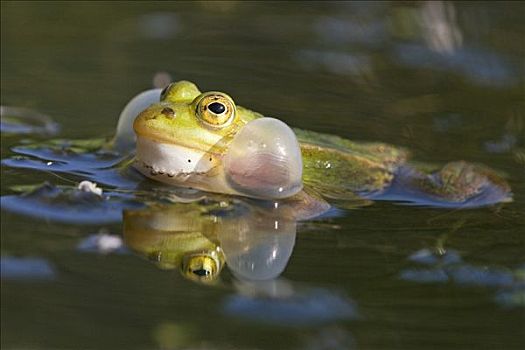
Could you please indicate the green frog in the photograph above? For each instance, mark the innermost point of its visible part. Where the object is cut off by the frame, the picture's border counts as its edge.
(206, 141)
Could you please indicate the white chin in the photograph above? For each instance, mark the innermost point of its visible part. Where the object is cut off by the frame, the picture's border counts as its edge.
(173, 163)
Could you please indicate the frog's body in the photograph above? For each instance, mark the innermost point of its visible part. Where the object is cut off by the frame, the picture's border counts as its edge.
(183, 139)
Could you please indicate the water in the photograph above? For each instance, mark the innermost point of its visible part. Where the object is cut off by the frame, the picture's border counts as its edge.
(385, 276)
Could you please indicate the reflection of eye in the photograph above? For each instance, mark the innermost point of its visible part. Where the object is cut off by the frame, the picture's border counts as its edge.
(202, 267)
(215, 109)
(200, 272)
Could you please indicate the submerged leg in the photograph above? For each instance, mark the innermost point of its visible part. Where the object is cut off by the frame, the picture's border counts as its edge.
(457, 184)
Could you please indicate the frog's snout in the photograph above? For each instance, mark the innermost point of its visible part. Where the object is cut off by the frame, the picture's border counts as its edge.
(264, 160)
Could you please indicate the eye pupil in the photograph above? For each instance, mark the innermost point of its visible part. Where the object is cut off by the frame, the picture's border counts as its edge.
(201, 272)
(216, 107)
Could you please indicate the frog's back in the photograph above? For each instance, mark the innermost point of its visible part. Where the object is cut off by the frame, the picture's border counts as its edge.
(341, 169)
(332, 164)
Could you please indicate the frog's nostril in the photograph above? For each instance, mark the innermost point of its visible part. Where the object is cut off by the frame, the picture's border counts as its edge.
(168, 112)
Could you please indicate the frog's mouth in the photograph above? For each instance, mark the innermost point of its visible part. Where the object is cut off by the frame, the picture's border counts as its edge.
(262, 161)
(172, 160)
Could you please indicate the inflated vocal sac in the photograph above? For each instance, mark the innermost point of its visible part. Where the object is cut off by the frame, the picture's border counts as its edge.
(125, 138)
(264, 160)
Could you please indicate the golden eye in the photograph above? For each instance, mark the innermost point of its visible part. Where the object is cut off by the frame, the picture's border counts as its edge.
(201, 267)
(215, 109)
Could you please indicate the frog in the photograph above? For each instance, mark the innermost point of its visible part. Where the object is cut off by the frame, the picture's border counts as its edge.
(185, 137)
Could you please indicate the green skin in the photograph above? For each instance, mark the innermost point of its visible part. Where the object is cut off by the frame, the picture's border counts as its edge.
(333, 167)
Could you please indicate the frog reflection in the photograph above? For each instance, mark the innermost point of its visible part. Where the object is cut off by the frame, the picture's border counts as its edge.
(255, 242)
(173, 238)
(200, 237)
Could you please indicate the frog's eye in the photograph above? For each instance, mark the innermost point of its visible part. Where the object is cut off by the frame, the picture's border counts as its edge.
(215, 109)
(203, 267)
(164, 92)
(181, 91)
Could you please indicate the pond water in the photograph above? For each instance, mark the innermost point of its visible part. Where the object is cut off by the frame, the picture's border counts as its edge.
(445, 80)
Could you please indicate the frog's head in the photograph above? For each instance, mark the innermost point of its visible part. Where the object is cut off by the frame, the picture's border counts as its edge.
(190, 120)
(206, 141)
